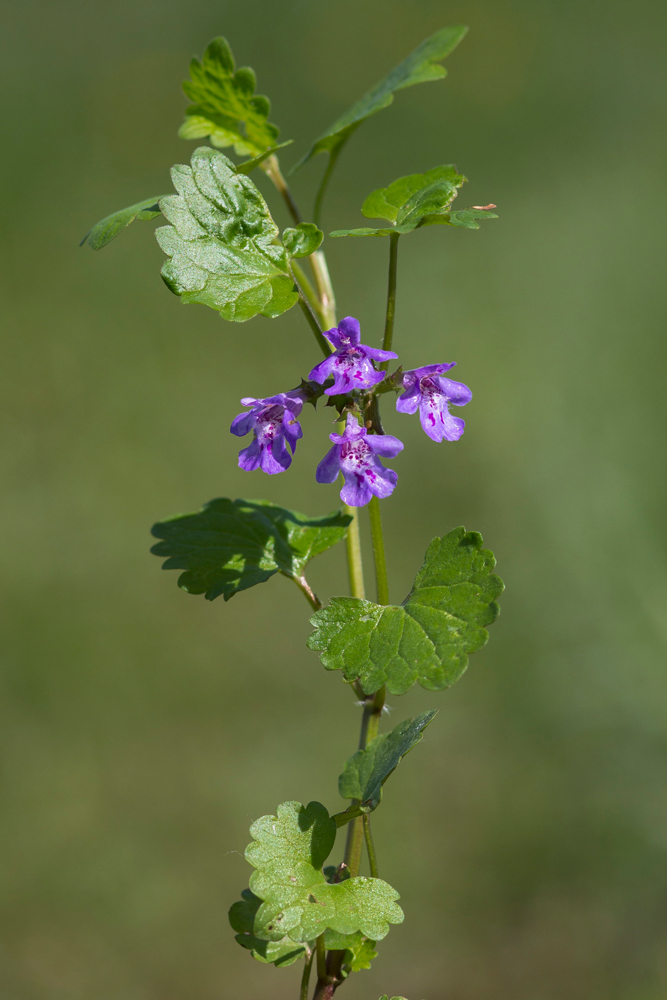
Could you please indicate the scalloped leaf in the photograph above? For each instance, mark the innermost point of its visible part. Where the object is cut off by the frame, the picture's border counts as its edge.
(359, 950)
(429, 637)
(231, 545)
(221, 242)
(225, 106)
(366, 771)
(421, 66)
(288, 851)
(242, 918)
(107, 229)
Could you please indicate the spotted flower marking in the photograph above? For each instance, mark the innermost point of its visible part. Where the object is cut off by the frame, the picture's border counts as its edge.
(428, 391)
(351, 363)
(274, 424)
(355, 454)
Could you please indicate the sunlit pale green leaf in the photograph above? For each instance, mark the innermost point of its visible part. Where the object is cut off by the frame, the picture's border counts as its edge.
(422, 65)
(428, 638)
(249, 165)
(359, 950)
(303, 240)
(108, 229)
(230, 545)
(221, 242)
(288, 851)
(368, 769)
(225, 107)
(242, 918)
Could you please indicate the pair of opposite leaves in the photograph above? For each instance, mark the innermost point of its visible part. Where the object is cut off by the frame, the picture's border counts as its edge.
(291, 899)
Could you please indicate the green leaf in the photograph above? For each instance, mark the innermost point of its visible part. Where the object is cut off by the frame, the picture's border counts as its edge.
(225, 107)
(364, 231)
(231, 545)
(359, 950)
(222, 242)
(249, 165)
(367, 770)
(466, 218)
(108, 229)
(422, 65)
(288, 851)
(303, 240)
(409, 199)
(242, 918)
(428, 638)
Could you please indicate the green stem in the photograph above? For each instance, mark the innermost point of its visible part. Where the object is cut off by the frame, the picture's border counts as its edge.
(354, 563)
(308, 292)
(321, 958)
(370, 724)
(305, 979)
(308, 592)
(314, 326)
(391, 297)
(378, 552)
(271, 168)
(324, 183)
(370, 847)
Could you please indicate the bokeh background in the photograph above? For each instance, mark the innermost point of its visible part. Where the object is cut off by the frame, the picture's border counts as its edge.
(142, 729)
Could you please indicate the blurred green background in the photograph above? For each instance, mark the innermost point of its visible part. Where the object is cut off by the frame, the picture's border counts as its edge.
(143, 729)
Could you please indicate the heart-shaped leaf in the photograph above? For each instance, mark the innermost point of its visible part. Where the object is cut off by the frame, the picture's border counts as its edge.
(429, 637)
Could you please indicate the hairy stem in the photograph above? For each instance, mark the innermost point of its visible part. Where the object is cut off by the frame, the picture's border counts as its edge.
(308, 292)
(321, 958)
(370, 724)
(305, 978)
(271, 168)
(308, 592)
(370, 846)
(381, 581)
(391, 297)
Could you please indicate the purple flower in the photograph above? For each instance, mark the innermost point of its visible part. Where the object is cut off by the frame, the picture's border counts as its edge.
(355, 454)
(273, 421)
(351, 364)
(426, 389)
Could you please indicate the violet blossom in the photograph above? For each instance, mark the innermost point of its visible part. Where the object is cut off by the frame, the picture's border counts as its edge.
(273, 422)
(351, 364)
(426, 389)
(355, 454)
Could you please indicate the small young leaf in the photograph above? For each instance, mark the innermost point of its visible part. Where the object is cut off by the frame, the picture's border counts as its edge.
(303, 240)
(422, 65)
(230, 545)
(288, 852)
(225, 107)
(108, 229)
(221, 242)
(359, 950)
(367, 770)
(242, 918)
(249, 165)
(428, 638)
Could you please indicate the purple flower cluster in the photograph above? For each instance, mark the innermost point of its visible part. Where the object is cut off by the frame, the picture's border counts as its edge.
(357, 451)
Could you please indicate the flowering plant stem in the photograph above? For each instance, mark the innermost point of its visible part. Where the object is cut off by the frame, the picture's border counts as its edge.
(391, 296)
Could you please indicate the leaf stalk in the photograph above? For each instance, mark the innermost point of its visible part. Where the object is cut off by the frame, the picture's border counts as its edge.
(391, 297)
(381, 581)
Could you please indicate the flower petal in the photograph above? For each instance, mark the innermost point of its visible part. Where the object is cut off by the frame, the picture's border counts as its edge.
(329, 467)
(349, 328)
(385, 444)
(242, 424)
(249, 457)
(321, 372)
(408, 402)
(456, 392)
(356, 491)
(377, 354)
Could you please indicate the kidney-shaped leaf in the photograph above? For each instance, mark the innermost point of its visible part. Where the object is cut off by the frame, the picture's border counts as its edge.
(367, 770)
(428, 638)
(242, 918)
(288, 852)
(230, 545)
(221, 241)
